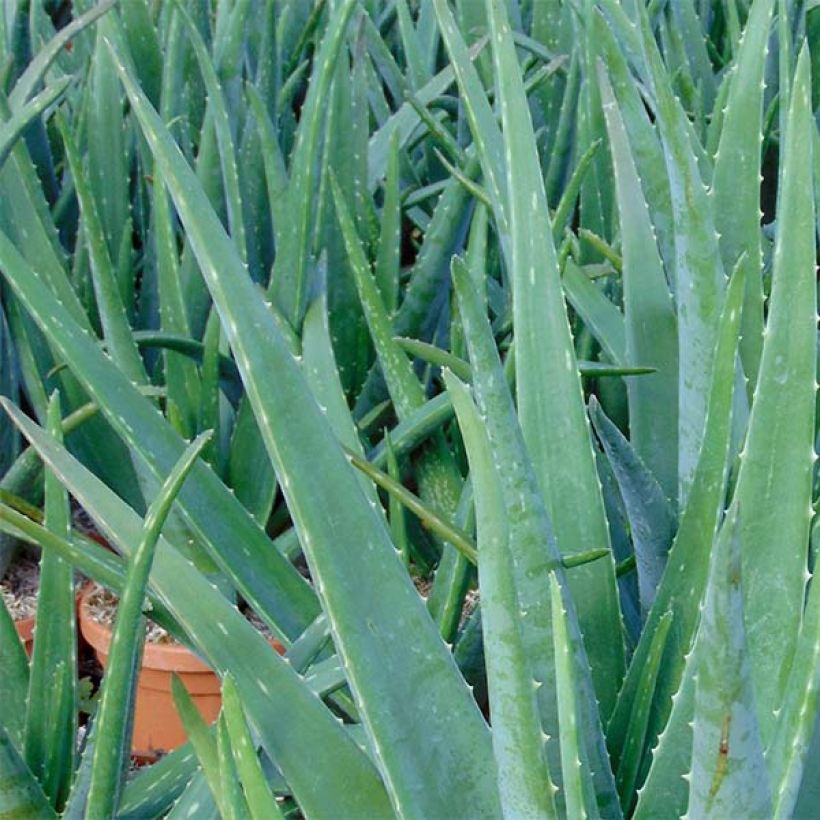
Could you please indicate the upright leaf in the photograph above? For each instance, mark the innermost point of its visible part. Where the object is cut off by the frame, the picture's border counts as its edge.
(774, 485)
(548, 386)
(418, 773)
(728, 773)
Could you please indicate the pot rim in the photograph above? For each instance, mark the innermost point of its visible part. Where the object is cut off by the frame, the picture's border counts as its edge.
(172, 657)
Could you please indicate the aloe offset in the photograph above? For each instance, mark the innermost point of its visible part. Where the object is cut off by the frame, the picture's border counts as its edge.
(509, 358)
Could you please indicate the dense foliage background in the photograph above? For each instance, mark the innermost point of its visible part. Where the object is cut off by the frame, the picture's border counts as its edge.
(470, 345)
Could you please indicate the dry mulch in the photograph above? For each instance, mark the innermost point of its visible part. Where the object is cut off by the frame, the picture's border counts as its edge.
(19, 587)
(102, 606)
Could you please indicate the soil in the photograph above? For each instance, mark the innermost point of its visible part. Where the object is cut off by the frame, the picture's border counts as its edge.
(102, 606)
(471, 599)
(256, 621)
(19, 587)
(103, 610)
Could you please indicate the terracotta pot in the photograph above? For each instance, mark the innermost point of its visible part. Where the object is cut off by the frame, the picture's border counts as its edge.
(25, 629)
(157, 727)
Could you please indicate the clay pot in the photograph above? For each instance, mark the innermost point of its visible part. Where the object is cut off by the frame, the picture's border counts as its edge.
(25, 629)
(157, 727)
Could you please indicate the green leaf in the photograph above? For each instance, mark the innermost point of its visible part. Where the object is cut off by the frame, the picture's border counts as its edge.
(634, 745)
(112, 310)
(736, 179)
(51, 716)
(603, 318)
(684, 581)
(389, 693)
(523, 776)
(202, 740)
(651, 519)
(222, 126)
(13, 682)
(34, 72)
(112, 724)
(534, 552)
(270, 583)
(649, 315)
(20, 120)
(289, 280)
(234, 805)
(576, 777)
(728, 773)
(21, 797)
(275, 697)
(548, 386)
(774, 484)
(698, 271)
(261, 801)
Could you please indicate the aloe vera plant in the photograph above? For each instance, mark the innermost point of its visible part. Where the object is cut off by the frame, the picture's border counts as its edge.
(502, 316)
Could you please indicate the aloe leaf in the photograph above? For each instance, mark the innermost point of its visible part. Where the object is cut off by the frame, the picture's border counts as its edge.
(405, 120)
(34, 72)
(569, 196)
(560, 161)
(728, 773)
(51, 715)
(774, 485)
(153, 789)
(603, 318)
(111, 725)
(13, 682)
(195, 799)
(398, 523)
(651, 518)
(646, 148)
(523, 776)
(181, 377)
(406, 435)
(735, 189)
(276, 180)
(234, 805)
(534, 551)
(222, 128)
(143, 42)
(686, 22)
(273, 586)
(416, 68)
(548, 387)
(438, 475)
(431, 519)
(788, 756)
(633, 749)
(274, 696)
(405, 390)
(108, 149)
(684, 580)
(486, 133)
(597, 197)
(258, 794)
(20, 793)
(203, 741)
(441, 240)
(388, 257)
(296, 436)
(13, 128)
(289, 278)
(699, 273)
(576, 787)
(649, 315)
(112, 310)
